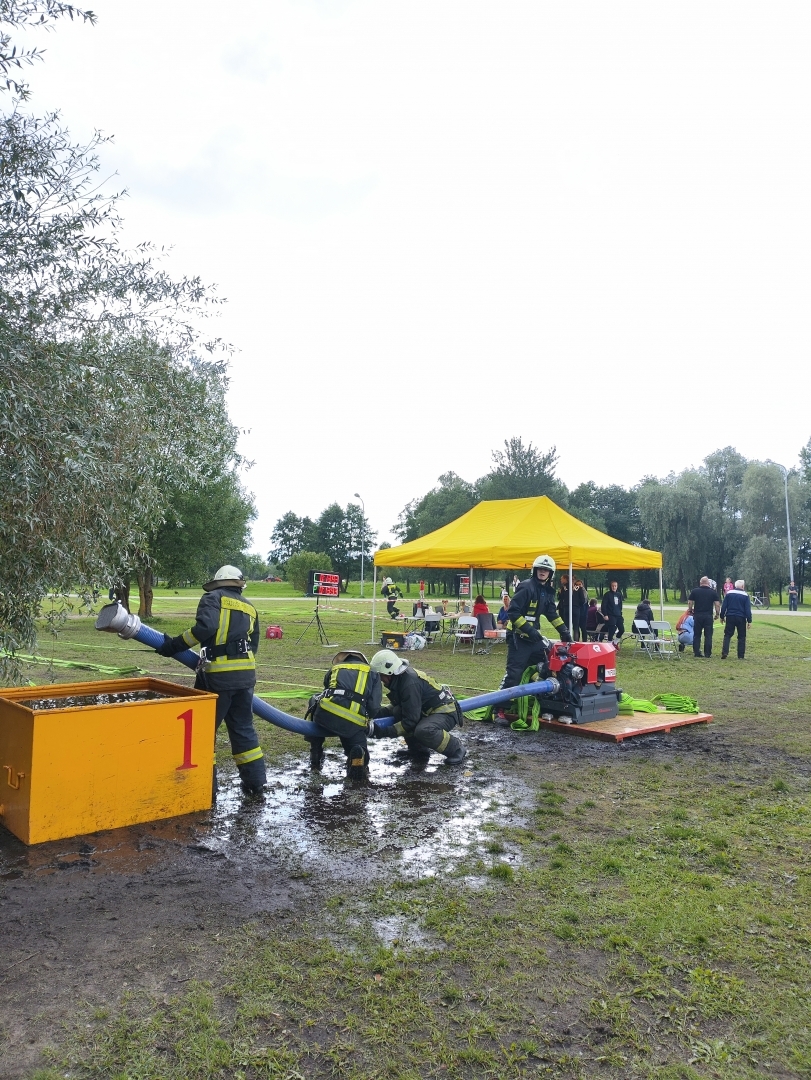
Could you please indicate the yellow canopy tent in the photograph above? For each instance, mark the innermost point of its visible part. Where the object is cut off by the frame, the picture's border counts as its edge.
(508, 534)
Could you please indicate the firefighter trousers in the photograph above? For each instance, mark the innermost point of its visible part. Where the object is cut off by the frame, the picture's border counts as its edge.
(235, 710)
(432, 732)
(521, 654)
(351, 735)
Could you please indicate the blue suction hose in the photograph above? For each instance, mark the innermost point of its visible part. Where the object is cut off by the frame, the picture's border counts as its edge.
(115, 619)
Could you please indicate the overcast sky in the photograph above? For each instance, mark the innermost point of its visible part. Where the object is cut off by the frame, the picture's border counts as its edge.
(442, 224)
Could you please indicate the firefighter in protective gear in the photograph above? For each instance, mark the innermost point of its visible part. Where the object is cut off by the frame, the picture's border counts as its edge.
(533, 598)
(424, 711)
(227, 630)
(392, 594)
(351, 696)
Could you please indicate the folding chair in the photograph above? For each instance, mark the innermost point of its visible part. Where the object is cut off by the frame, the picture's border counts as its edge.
(667, 642)
(643, 633)
(466, 629)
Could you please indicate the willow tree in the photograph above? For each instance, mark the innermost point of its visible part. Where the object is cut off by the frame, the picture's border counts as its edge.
(110, 400)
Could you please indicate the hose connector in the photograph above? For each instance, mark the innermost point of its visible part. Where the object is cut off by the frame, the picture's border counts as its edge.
(115, 619)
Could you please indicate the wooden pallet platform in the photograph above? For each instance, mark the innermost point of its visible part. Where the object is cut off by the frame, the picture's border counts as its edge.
(625, 727)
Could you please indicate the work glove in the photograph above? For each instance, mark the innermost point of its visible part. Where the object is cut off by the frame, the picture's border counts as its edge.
(565, 635)
(533, 634)
(171, 646)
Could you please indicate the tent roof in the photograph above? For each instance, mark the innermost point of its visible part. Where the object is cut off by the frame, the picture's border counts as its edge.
(508, 534)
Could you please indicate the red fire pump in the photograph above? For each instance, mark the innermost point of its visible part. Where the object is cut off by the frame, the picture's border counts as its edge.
(587, 673)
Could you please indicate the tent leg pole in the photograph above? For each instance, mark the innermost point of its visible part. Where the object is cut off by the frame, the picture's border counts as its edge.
(661, 597)
(571, 598)
(374, 603)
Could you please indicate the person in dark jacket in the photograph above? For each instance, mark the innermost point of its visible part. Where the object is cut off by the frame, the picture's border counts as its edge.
(532, 599)
(226, 628)
(704, 606)
(611, 607)
(351, 696)
(644, 613)
(579, 602)
(736, 614)
(425, 712)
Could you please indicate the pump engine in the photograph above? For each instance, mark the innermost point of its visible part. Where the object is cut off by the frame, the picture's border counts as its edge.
(587, 673)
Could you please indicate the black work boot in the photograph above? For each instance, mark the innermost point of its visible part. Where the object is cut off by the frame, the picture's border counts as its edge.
(356, 764)
(455, 753)
(418, 751)
(316, 754)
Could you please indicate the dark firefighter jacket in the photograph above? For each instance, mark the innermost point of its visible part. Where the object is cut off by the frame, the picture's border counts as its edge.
(391, 592)
(353, 692)
(531, 600)
(228, 627)
(414, 695)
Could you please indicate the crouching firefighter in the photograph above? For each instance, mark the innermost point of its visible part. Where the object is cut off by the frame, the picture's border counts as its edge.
(424, 711)
(227, 630)
(351, 696)
(533, 598)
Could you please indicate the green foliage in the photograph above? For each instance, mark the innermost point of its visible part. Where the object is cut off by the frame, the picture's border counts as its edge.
(299, 565)
(206, 526)
(340, 533)
(108, 407)
(521, 472)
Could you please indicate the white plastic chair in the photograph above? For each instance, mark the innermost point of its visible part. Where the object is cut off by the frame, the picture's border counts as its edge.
(466, 629)
(667, 642)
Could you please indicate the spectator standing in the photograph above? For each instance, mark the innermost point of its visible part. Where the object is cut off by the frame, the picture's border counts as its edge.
(736, 614)
(728, 586)
(793, 596)
(611, 607)
(704, 606)
(422, 590)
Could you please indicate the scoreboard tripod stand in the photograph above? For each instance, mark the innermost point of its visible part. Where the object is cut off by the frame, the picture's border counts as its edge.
(318, 585)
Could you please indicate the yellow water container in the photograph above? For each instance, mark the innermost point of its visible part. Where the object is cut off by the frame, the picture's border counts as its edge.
(80, 757)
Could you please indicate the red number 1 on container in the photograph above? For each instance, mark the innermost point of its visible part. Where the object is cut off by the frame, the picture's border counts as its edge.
(186, 718)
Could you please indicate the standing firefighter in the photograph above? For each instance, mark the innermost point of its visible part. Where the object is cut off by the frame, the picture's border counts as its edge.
(534, 597)
(424, 711)
(392, 594)
(351, 696)
(227, 630)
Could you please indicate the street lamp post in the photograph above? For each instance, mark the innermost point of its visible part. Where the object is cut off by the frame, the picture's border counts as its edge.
(784, 471)
(362, 539)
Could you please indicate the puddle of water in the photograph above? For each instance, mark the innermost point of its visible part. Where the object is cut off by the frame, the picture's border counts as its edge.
(415, 820)
(420, 820)
(400, 932)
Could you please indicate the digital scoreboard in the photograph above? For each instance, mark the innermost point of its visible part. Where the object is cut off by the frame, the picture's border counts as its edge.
(463, 585)
(321, 584)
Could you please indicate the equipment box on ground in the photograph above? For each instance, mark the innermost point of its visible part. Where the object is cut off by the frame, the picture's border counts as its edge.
(392, 639)
(81, 757)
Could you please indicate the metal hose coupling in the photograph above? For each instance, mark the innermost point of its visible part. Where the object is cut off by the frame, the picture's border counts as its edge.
(115, 619)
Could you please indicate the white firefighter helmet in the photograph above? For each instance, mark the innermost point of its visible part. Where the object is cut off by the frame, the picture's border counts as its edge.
(226, 576)
(544, 562)
(387, 581)
(349, 654)
(387, 662)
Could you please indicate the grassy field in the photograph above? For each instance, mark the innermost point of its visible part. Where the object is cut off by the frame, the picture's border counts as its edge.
(595, 910)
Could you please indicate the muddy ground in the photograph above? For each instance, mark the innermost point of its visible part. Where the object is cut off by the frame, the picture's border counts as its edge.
(145, 907)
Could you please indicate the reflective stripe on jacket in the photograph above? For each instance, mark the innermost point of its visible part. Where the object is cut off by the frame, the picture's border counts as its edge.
(229, 626)
(531, 600)
(352, 692)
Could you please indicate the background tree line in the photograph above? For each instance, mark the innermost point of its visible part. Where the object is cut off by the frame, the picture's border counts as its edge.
(726, 517)
(334, 541)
